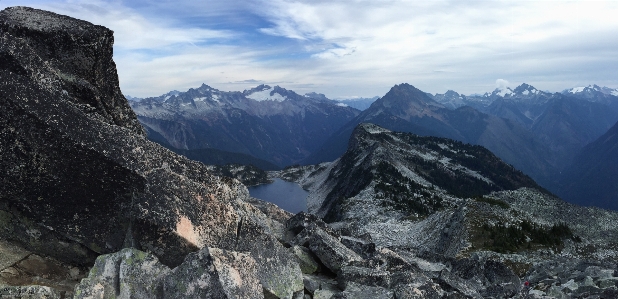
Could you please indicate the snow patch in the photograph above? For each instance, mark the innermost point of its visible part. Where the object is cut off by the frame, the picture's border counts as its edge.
(199, 99)
(577, 89)
(342, 105)
(372, 129)
(614, 93)
(526, 92)
(264, 95)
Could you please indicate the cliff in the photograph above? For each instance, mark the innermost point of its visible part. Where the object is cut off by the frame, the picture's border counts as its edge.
(79, 178)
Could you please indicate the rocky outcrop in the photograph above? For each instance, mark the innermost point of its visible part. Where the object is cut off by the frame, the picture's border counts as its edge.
(79, 178)
(209, 273)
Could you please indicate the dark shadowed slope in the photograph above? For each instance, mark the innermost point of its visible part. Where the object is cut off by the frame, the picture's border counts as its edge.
(592, 180)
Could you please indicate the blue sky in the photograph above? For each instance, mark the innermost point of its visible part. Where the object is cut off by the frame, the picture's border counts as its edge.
(354, 48)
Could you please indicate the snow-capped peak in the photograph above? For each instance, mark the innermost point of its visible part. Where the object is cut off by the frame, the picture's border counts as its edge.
(576, 89)
(525, 89)
(503, 91)
(265, 93)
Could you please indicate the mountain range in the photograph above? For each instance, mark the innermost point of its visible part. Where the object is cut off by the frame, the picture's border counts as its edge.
(536, 131)
(269, 123)
(90, 208)
(405, 108)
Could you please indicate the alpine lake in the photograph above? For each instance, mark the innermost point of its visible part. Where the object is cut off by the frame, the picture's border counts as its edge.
(287, 195)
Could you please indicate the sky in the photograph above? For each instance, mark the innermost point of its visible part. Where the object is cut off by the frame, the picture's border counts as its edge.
(354, 48)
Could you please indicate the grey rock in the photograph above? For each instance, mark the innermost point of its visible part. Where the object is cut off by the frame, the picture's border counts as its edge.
(315, 283)
(358, 291)
(330, 251)
(303, 220)
(129, 273)
(29, 292)
(214, 273)
(388, 259)
(208, 273)
(324, 294)
(33, 269)
(306, 260)
(475, 277)
(609, 282)
(364, 276)
(360, 246)
(426, 290)
(277, 268)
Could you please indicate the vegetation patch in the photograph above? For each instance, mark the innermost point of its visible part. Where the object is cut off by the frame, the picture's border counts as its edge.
(527, 235)
(403, 194)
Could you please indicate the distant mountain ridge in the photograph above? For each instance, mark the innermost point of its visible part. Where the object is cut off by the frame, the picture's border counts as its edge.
(269, 123)
(406, 109)
(592, 179)
(358, 103)
(564, 122)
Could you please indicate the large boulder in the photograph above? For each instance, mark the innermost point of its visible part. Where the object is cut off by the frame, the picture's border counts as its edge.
(208, 273)
(329, 250)
(215, 273)
(129, 273)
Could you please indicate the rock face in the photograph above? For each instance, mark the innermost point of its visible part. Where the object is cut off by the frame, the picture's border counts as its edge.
(78, 176)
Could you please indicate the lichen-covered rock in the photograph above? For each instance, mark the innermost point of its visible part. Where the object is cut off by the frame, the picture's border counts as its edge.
(29, 292)
(359, 291)
(306, 261)
(78, 177)
(208, 273)
(278, 269)
(214, 273)
(129, 273)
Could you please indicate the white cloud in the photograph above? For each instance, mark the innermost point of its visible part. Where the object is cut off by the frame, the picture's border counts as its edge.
(502, 84)
(356, 47)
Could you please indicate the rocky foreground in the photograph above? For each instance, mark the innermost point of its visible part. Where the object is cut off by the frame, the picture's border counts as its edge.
(89, 208)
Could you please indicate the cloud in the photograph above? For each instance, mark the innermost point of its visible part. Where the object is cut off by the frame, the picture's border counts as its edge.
(502, 84)
(357, 47)
(250, 81)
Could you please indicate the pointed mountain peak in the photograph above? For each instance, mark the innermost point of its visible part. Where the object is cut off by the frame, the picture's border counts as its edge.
(259, 88)
(405, 101)
(451, 93)
(526, 89)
